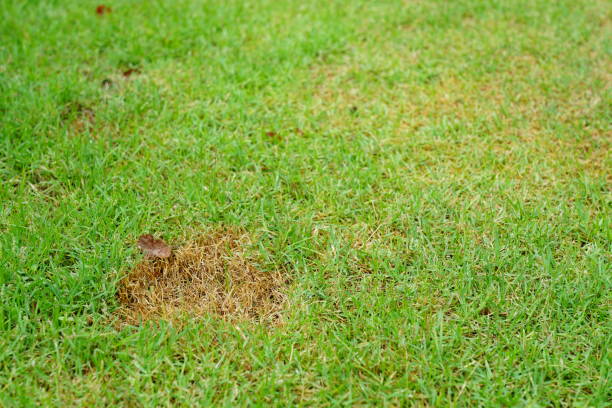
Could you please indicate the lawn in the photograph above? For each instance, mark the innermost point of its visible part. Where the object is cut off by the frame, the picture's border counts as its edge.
(403, 203)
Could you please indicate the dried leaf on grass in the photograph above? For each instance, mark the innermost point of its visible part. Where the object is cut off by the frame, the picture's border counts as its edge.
(152, 247)
(102, 9)
(130, 71)
(212, 275)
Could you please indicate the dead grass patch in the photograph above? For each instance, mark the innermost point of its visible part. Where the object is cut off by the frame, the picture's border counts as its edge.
(212, 275)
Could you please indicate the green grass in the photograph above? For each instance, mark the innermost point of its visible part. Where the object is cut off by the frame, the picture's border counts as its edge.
(443, 211)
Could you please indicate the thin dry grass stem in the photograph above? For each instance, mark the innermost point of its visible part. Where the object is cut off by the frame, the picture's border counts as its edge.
(212, 275)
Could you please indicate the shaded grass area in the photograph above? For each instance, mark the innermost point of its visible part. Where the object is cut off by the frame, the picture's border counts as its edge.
(434, 176)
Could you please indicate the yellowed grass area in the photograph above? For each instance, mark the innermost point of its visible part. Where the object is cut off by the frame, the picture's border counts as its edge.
(210, 275)
(509, 114)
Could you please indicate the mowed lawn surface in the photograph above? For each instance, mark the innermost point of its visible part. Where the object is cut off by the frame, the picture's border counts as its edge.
(431, 178)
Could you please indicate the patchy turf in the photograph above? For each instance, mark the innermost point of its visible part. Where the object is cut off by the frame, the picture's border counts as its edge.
(418, 190)
(212, 274)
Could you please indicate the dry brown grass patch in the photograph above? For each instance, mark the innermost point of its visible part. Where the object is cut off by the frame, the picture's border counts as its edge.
(211, 275)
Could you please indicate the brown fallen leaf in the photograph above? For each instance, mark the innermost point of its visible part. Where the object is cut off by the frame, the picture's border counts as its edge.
(130, 71)
(152, 247)
(102, 9)
(485, 311)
